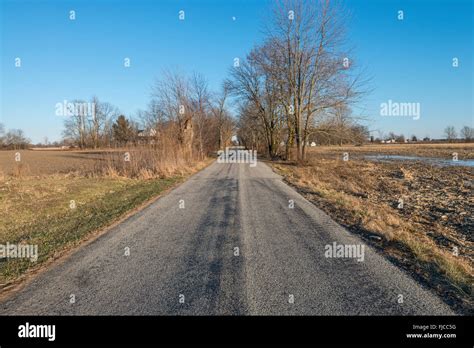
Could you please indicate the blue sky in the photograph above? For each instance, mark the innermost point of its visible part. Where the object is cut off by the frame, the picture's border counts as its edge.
(408, 61)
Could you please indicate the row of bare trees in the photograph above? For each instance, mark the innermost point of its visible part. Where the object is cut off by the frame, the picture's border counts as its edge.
(299, 84)
(182, 112)
(14, 139)
(90, 127)
(466, 133)
(185, 107)
(295, 88)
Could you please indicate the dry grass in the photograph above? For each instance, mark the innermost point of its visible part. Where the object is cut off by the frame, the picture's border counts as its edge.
(420, 237)
(465, 151)
(36, 192)
(143, 163)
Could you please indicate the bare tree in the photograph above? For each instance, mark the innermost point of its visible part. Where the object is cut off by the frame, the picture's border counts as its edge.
(311, 36)
(200, 104)
(172, 95)
(299, 74)
(89, 127)
(98, 122)
(75, 125)
(467, 133)
(15, 139)
(154, 115)
(250, 132)
(391, 136)
(259, 92)
(225, 124)
(450, 133)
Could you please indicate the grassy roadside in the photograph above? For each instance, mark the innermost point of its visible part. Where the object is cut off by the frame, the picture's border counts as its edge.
(363, 197)
(37, 211)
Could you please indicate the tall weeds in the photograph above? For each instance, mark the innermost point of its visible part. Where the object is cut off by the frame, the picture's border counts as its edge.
(146, 162)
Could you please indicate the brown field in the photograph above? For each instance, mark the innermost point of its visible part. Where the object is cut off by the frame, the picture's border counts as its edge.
(465, 151)
(423, 234)
(36, 195)
(34, 163)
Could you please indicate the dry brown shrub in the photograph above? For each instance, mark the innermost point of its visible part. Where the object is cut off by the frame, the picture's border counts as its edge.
(21, 170)
(168, 158)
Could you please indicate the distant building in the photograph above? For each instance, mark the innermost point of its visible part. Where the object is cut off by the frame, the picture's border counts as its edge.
(146, 136)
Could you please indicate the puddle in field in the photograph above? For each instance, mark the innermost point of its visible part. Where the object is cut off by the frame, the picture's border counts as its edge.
(428, 160)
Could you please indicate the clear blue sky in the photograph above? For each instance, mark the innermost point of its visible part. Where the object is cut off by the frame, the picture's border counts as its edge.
(409, 60)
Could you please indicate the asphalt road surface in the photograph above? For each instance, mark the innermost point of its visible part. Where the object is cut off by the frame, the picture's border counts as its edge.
(183, 260)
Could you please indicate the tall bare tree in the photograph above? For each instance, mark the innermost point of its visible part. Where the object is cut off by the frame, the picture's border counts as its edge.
(300, 73)
(224, 123)
(172, 95)
(259, 92)
(199, 101)
(75, 124)
(103, 114)
(467, 133)
(450, 133)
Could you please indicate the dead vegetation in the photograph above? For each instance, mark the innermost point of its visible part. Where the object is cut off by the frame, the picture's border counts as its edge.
(417, 215)
(55, 199)
(464, 151)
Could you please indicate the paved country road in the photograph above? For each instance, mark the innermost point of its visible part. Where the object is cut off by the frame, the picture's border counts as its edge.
(189, 254)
